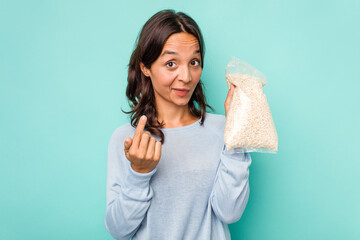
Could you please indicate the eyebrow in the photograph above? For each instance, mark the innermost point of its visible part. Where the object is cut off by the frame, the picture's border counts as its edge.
(175, 53)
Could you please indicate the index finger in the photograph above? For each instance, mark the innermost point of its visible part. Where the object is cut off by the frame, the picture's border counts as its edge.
(139, 131)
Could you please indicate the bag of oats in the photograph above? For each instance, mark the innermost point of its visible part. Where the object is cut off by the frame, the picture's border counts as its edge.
(249, 126)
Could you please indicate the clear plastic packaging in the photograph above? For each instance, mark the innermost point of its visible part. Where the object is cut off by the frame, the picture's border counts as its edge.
(249, 125)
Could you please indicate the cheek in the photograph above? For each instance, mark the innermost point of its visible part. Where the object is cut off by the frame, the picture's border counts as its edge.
(197, 75)
(163, 79)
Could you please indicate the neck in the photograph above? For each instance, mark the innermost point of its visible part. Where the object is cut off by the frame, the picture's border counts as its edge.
(174, 116)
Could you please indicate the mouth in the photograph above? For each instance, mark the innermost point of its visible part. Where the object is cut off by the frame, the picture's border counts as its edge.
(181, 92)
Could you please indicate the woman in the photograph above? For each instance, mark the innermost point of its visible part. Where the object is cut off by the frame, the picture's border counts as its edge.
(169, 174)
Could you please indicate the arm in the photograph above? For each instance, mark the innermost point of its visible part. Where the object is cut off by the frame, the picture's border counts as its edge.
(128, 193)
(230, 192)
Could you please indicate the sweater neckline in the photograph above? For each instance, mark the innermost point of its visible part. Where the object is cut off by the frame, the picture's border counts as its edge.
(182, 128)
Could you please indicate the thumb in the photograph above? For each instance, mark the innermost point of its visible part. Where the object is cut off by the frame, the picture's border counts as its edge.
(230, 94)
(128, 143)
(229, 98)
(233, 86)
(232, 90)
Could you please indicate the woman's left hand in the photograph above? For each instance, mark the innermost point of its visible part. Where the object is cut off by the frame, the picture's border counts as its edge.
(228, 98)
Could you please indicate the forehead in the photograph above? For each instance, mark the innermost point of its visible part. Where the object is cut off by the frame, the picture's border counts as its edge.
(182, 41)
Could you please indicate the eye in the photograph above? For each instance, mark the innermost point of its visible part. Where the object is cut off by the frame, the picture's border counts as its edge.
(170, 64)
(195, 62)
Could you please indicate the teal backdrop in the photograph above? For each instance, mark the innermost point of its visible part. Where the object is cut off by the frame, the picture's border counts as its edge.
(63, 69)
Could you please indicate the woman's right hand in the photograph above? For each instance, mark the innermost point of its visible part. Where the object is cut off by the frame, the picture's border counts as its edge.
(143, 151)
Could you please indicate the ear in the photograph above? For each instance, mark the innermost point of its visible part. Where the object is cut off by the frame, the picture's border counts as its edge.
(144, 70)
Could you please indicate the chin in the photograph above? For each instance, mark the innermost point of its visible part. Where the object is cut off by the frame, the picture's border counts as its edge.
(182, 103)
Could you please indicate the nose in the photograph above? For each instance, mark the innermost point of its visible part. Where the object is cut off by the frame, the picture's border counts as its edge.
(185, 74)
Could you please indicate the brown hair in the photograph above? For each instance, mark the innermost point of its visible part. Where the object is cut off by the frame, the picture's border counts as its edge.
(149, 46)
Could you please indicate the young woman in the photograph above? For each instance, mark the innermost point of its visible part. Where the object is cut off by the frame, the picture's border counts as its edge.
(169, 174)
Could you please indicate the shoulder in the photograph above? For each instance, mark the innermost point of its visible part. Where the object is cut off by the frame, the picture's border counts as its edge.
(214, 119)
(121, 132)
(215, 123)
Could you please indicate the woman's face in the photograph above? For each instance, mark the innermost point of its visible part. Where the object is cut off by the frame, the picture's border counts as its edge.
(177, 71)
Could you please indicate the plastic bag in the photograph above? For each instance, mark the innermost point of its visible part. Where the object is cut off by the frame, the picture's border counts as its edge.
(249, 126)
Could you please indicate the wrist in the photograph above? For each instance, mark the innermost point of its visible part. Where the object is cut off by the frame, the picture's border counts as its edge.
(140, 170)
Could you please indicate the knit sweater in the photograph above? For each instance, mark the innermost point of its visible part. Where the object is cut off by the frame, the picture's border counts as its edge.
(197, 188)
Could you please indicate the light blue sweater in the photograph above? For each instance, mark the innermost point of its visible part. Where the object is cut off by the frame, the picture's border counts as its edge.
(193, 193)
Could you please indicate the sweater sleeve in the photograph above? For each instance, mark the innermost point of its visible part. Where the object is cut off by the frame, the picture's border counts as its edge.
(230, 192)
(128, 193)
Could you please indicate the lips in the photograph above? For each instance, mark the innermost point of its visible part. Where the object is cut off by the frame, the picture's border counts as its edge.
(181, 89)
(181, 92)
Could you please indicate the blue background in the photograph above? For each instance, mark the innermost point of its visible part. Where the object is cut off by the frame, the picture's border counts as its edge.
(63, 79)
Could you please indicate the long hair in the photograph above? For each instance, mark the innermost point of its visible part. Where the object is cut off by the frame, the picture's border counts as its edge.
(150, 43)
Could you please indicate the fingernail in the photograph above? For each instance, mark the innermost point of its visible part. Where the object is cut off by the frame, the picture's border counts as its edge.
(143, 117)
